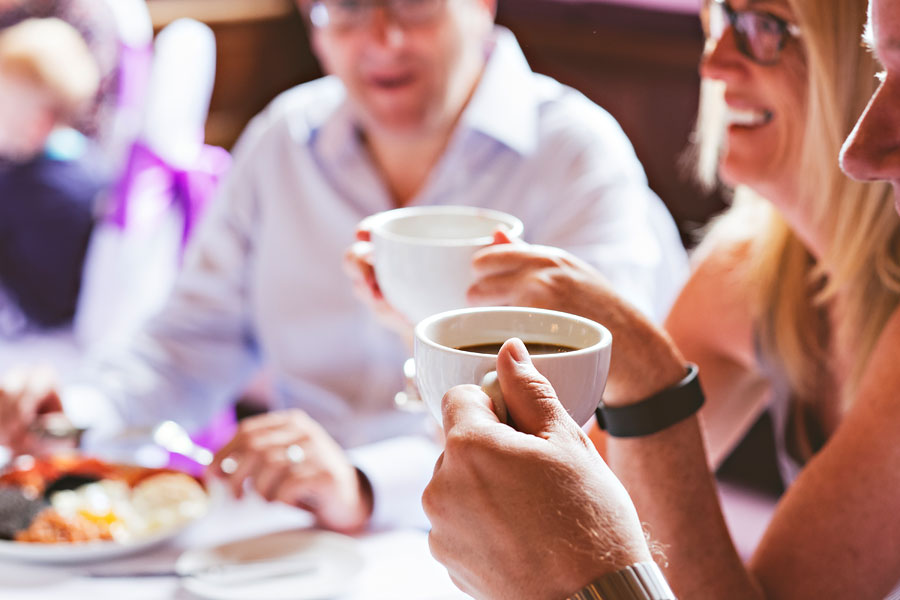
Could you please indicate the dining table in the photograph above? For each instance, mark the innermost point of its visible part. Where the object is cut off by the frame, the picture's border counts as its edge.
(396, 564)
(388, 564)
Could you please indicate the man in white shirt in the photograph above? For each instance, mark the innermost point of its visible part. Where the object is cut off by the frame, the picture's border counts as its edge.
(427, 103)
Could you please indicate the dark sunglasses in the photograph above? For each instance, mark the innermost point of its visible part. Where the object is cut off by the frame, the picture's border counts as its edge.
(759, 35)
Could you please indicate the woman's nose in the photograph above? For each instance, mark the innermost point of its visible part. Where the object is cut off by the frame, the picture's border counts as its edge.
(722, 59)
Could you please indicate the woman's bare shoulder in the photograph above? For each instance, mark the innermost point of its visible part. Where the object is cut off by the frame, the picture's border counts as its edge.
(714, 309)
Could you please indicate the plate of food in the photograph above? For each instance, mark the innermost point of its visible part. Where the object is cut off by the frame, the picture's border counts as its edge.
(72, 509)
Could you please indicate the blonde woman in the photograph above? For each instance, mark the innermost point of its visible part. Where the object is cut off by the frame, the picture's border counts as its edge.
(792, 305)
(794, 284)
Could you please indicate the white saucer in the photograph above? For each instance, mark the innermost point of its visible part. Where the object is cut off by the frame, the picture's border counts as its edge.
(301, 564)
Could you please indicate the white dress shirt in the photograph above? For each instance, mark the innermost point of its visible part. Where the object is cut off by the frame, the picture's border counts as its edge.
(262, 281)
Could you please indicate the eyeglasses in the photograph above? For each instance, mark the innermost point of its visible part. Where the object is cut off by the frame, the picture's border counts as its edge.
(351, 14)
(759, 35)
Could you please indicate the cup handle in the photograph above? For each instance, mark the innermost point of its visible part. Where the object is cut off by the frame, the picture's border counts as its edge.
(409, 399)
(490, 385)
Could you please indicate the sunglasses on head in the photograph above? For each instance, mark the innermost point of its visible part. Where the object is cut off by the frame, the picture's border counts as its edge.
(760, 36)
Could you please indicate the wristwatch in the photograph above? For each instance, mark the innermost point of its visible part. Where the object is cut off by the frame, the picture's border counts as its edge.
(640, 581)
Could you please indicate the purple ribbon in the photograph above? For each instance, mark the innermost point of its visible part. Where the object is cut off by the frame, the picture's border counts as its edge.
(188, 189)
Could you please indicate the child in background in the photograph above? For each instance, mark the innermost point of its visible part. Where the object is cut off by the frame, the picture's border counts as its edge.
(48, 178)
(96, 23)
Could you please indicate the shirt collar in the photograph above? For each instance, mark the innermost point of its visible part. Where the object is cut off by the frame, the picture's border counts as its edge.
(333, 127)
(505, 103)
(504, 106)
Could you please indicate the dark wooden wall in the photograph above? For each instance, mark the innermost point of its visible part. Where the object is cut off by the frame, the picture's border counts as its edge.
(639, 64)
(256, 60)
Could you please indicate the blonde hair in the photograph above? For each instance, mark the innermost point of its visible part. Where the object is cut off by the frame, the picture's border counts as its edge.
(52, 55)
(790, 287)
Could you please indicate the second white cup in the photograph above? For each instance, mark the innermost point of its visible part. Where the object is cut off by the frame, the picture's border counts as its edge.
(423, 255)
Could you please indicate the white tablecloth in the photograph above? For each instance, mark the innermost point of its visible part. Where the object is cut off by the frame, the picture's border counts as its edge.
(397, 564)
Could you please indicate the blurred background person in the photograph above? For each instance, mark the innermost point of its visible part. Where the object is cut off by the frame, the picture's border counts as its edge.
(97, 26)
(49, 175)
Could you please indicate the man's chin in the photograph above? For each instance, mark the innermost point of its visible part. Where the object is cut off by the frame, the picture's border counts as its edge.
(397, 118)
(401, 125)
(896, 186)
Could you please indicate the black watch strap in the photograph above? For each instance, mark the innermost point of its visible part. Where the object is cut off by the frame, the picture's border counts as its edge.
(653, 414)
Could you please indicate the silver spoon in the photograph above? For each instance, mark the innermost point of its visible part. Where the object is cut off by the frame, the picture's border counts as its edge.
(173, 437)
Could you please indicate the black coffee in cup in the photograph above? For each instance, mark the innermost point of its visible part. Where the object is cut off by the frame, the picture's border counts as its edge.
(532, 347)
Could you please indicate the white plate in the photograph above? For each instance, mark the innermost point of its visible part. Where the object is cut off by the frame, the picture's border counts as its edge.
(83, 552)
(301, 564)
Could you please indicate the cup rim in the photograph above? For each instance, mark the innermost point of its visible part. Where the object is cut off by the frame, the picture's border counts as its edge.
(513, 223)
(604, 341)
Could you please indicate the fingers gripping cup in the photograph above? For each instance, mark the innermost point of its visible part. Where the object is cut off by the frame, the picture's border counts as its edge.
(460, 346)
(423, 255)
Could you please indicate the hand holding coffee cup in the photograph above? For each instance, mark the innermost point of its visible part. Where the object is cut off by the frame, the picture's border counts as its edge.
(422, 256)
(460, 347)
(358, 264)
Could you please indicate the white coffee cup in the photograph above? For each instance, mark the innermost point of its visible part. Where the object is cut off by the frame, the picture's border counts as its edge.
(578, 376)
(423, 255)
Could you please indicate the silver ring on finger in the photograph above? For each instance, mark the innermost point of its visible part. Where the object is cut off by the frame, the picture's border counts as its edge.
(229, 465)
(295, 454)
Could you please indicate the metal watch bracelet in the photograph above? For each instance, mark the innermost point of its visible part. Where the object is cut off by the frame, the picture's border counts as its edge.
(640, 581)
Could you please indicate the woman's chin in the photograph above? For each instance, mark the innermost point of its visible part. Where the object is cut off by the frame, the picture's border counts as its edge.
(730, 174)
